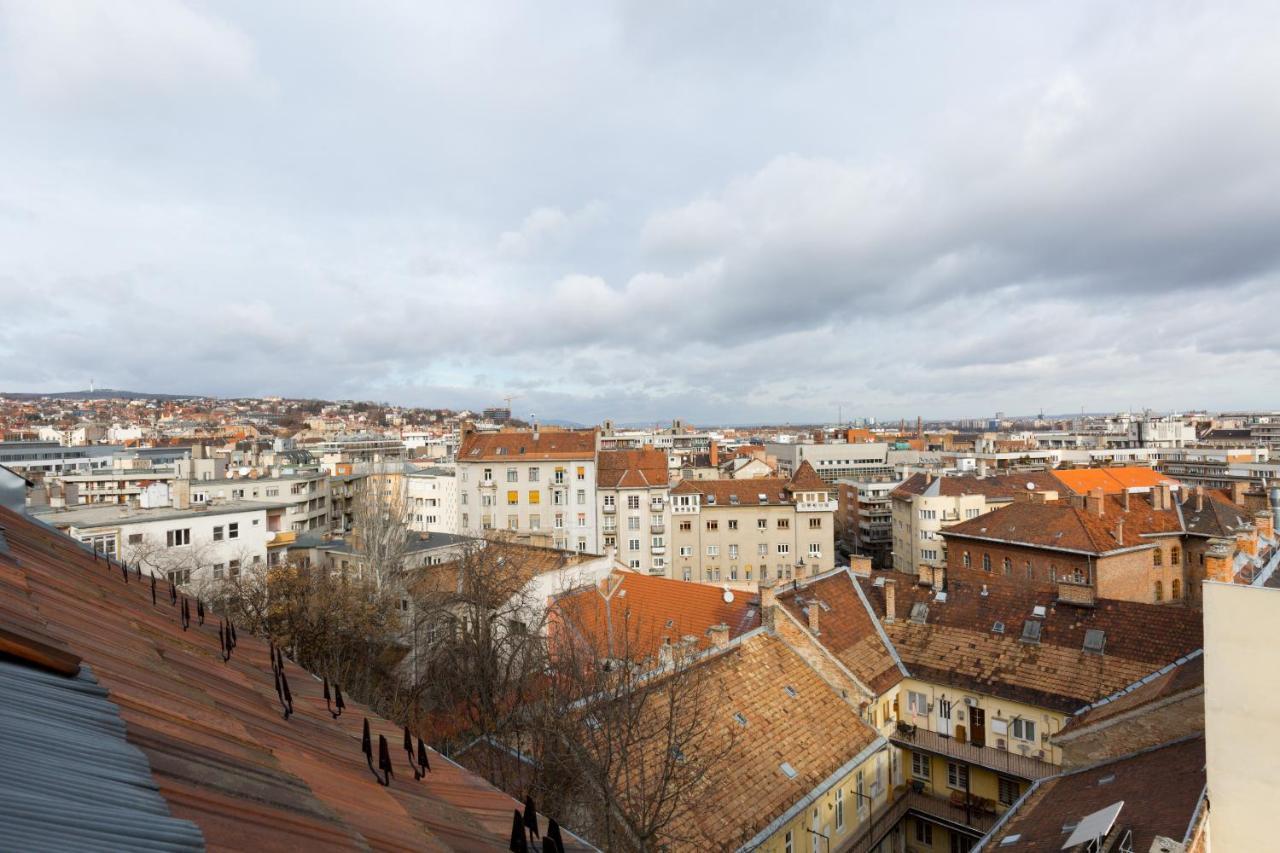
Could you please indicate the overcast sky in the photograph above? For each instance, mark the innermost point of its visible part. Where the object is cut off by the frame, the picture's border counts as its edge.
(722, 211)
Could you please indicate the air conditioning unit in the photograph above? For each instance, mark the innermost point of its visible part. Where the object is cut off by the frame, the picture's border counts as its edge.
(971, 702)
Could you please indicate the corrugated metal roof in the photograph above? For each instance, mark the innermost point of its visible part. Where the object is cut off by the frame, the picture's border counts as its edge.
(71, 779)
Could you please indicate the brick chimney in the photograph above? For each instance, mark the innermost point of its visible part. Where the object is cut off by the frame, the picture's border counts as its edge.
(1124, 499)
(1247, 540)
(1265, 522)
(1160, 497)
(1093, 502)
(1237, 493)
(718, 635)
(814, 610)
(890, 601)
(715, 454)
(768, 601)
(1199, 498)
(1217, 561)
(1120, 531)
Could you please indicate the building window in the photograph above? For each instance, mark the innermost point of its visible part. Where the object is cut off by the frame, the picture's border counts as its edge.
(633, 544)
(1031, 572)
(1159, 591)
(686, 550)
(784, 524)
(815, 524)
(788, 846)
(135, 538)
(784, 547)
(513, 522)
(218, 570)
(513, 497)
(1157, 557)
(957, 776)
(966, 560)
(686, 526)
(633, 522)
(815, 549)
(713, 525)
(921, 766)
(233, 530)
(582, 472)
(535, 521)
(1175, 589)
(233, 568)
(839, 808)
(733, 555)
(582, 497)
(986, 562)
(1022, 729)
(733, 524)
(762, 524)
(1008, 791)
(535, 497)
(582, 519)
(713, 550)
(533, 475)
(217, 533)
(512, 475)
(1175, 556)
(178, 538)
(924, 832)
(1007, 566)
(762, 549)
(608, 500)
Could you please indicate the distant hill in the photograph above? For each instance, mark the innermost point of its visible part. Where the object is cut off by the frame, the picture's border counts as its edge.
(98, 394)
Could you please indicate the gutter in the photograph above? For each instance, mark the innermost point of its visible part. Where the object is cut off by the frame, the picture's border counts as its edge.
(843, 770)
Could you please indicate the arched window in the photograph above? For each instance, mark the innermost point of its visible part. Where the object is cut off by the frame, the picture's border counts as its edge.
(986, 562)
(1175, 589)
(1157, 557)
(1007, 566)
(1175, 556)
(1159, 591)
(968, 562)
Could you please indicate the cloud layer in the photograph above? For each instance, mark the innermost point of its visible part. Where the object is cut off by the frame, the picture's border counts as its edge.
(721, 212)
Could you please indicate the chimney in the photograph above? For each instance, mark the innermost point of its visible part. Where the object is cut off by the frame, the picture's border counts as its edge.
(1265, 522)
(982, 468)
(1159, 497)
(181, 492)
(1237, 492)
(535, 429)
(718, 635)
(768, 601)
(1120, 531)
(890, 600)
(1247, 541)
(814, 610)
(1093, 502)
(1124, 499)
(1218, 562)
(928, 477)
(715, 454)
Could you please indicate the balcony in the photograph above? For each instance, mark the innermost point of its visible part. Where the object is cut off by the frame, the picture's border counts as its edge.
(657, 528)
(872, 829)
(658, 550)
(609, 509)
(816, 506)
(487, 483)
(1000, 760)
(655, 505)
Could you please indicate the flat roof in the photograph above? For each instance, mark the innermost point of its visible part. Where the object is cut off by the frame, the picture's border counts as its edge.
(107, 515)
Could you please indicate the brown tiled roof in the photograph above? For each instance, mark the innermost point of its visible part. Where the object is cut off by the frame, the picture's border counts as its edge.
(998, 487)
(1112, 481)
(644, 612)
(815, 732)
(1175, 680)
(747, 492)
(220, 752)
(522, 563)
(517, 445)
(1217, 517)
(631, 469)
(1061, 525)
(957, 645)
(1160, 788)
(807, 479)
(845, 628)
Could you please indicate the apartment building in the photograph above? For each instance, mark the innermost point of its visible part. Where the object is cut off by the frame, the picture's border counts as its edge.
(38, 458)
(191, 546)
(537, 483)
(740, 532)
(864, 518)
(633, 494)
(432, 499)
(305, 496)
(925, 505)
(832, 462)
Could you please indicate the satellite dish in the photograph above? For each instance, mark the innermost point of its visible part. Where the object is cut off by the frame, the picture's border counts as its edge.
(1031, 487)
(728, 596)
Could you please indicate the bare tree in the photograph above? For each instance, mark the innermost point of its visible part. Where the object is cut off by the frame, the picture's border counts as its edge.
(380, 523)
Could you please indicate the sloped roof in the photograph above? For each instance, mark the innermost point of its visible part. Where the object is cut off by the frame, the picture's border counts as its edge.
(1061, 525)
(957, 645)
(1112, 481)
(1216, 517)
(777, 490)
(996, 487)
(1181, 677)
(220, 752)
(520, 445)
(845, 627)
(807, 479)
(1161, 790)
(644, 612)
(631, 469)
(748, 792)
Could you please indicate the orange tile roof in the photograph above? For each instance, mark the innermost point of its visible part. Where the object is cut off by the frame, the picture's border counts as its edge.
(220, 752)
(1060, 525)
(623, 469)
(1112, 481)
(643, 612)
(517, 445)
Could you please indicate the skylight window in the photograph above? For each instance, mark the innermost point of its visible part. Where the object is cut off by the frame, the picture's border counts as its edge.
(997, 628)
(788, 770)
(1038, 611)
(1010, 840)
(1095, 640)
(740, 719)
(1031, 631)
(790, 691)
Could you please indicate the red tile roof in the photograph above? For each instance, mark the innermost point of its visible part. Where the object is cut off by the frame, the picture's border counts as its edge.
(1112, 481)
(997, 487)
(777, 490)
(807, 479)
(219, 749)
(631, 469)
(520, 445)
(643, 612)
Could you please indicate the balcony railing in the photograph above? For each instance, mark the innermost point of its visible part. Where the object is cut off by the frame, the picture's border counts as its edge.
(1001, 760)
(658, 549)
(655, 505)
(609, 509)
(657, 528)
(872, 830)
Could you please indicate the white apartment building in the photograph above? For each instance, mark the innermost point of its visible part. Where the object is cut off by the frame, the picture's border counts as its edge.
(535, 483)
(432, 495)
(632, 490)
(305, 496)
(832, 462)
(191, 546)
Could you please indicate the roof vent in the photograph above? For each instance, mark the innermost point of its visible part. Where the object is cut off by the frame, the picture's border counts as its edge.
(919, 612)
(1010, 840)
(997, 628)
(788, 770)
(790, 691)
(764, 499)
(1108, 779)
(1031, 631)
(740, 719)
(1095, 640)
(940, 597)
(878, 582)
(1038, 611)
